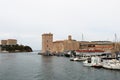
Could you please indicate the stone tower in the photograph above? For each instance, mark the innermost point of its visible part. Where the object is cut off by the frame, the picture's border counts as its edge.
(47, 42)
(69, 37)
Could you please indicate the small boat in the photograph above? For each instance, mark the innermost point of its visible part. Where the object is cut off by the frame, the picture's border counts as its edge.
(79, 59)
(111, 64)
(93, 62)
(39, 53)
(73, 58)
(67, 54)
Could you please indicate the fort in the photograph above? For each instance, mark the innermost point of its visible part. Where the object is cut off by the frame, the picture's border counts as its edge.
(48, 45)
(11, 46)
(8, 42)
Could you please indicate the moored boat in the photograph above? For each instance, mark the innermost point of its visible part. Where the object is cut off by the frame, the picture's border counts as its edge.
(111, 64)
(79, 59)
(93, 62)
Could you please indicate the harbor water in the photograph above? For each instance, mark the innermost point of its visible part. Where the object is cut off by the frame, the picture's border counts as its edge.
(31, 66)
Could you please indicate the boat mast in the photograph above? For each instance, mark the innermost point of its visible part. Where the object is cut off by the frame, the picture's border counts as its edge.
(115, 47)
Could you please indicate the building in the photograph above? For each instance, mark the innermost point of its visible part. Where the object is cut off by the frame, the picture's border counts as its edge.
(11, 42)
(71, 44)
(8, 42)
(47, 42)
(48, 45)
(65, 45)
(96, 45)
(103, 45)
(58, 46)
(3, 42)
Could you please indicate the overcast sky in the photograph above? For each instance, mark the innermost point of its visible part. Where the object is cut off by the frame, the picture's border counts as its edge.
(27, 20)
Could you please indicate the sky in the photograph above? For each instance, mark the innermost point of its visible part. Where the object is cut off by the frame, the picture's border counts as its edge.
(27, 20)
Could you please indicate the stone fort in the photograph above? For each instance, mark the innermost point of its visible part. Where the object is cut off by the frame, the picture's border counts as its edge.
(48, 45)
(58, 46)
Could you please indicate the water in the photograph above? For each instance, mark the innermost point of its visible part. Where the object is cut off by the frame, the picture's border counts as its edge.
(30, 66)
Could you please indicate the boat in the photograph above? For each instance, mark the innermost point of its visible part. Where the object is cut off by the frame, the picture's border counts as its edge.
(93, 61)
(73, 58)
(79, 59)
(67, 54)
(111, 64)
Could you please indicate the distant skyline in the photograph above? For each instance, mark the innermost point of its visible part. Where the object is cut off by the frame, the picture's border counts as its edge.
(27, 20)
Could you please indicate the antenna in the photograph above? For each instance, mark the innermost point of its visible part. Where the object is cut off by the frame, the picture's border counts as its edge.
(115, 37)
(82, 37)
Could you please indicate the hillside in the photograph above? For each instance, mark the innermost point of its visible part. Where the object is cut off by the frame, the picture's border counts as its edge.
(16, 48)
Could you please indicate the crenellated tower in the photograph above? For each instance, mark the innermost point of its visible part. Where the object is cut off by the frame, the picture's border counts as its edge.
(47, 42)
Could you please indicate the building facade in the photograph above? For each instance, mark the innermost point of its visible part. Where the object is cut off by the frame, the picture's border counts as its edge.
(48, 45)
(58, 46)
(11, 42)
(8, 42)
(71, 44)
(96, 45)
(47, 42)
(3, 42)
